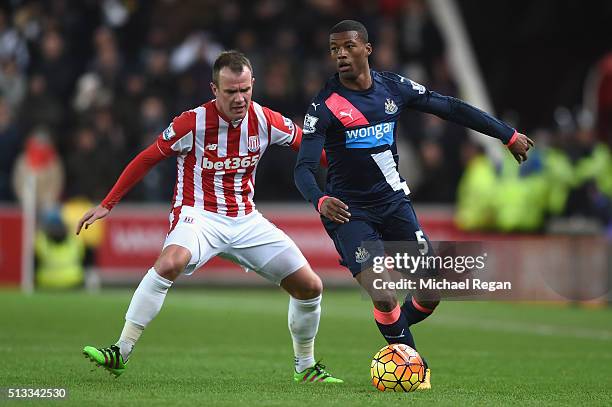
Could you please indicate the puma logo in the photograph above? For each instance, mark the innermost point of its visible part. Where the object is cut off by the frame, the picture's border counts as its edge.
(345, 114)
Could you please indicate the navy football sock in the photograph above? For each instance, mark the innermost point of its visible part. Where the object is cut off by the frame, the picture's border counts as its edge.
(414, 312)
(394, 327)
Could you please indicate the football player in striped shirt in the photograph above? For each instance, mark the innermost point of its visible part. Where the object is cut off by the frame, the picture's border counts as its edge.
(217, 147)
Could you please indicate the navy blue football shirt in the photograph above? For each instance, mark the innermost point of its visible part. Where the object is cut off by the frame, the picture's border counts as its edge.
(358, 130)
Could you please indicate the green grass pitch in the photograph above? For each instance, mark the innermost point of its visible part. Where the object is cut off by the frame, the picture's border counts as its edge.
(232, 347)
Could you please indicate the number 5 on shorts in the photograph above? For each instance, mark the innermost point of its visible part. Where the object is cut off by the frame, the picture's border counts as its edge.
(422, 242)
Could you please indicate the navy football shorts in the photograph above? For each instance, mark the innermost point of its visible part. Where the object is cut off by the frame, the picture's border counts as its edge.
(364, 236)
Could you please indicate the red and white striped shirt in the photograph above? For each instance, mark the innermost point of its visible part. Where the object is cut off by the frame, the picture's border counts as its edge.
(217, 160)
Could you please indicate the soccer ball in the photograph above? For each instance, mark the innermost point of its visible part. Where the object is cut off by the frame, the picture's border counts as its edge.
(397, 367)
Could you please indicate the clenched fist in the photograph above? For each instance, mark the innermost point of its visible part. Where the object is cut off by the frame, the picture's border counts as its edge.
(520, 146)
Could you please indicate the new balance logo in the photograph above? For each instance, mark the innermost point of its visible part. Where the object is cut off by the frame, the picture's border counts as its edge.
(345, 114)
(210, 147)
(232, 163)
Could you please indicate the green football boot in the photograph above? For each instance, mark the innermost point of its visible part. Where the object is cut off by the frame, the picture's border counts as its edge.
(109, 358)
(315, 374)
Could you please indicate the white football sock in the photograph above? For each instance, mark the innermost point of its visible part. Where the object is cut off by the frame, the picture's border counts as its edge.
(129, 336)
(304, 316)
(145, 305)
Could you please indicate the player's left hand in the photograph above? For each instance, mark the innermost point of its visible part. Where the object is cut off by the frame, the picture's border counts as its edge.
(520, 146)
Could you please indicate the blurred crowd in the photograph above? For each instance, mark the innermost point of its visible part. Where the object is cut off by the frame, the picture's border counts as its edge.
(567, 178)
(84, 86)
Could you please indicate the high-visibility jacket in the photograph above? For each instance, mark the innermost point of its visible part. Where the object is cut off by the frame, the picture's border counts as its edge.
(561, 178)
(60, 264)
(522, 196)
(598, 167)
(475, 195)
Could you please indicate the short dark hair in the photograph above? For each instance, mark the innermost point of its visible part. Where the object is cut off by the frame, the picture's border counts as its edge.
(234, 60)
(351, 25)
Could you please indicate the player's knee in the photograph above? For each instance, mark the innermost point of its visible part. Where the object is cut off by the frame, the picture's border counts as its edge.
(306, 288)
(315, 286)
(303, 284)
(168, 268)
(385, 303)
(172, 263)
(383, 300)
(310, 288)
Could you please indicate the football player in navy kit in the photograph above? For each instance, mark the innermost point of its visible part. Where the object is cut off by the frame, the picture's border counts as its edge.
(365, 203)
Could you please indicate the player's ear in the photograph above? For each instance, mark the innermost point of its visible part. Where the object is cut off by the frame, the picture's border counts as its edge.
(213, 87)
(368, 48)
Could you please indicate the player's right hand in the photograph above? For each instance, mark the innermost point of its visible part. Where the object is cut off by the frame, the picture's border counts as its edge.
(335, 210)
(91, 216)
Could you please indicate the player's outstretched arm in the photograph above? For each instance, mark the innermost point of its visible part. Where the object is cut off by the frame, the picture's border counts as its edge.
(457, 111)
(176, 139)
(131, 175)
(469, 116)
(460, 112)
(91, 216)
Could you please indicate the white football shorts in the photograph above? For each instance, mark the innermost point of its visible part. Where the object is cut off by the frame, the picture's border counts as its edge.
(250, 241)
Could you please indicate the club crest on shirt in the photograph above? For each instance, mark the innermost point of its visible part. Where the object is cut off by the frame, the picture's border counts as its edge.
(361, 255)
(390, 106)
(168, 133)
(253, 143)
(309, 124)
